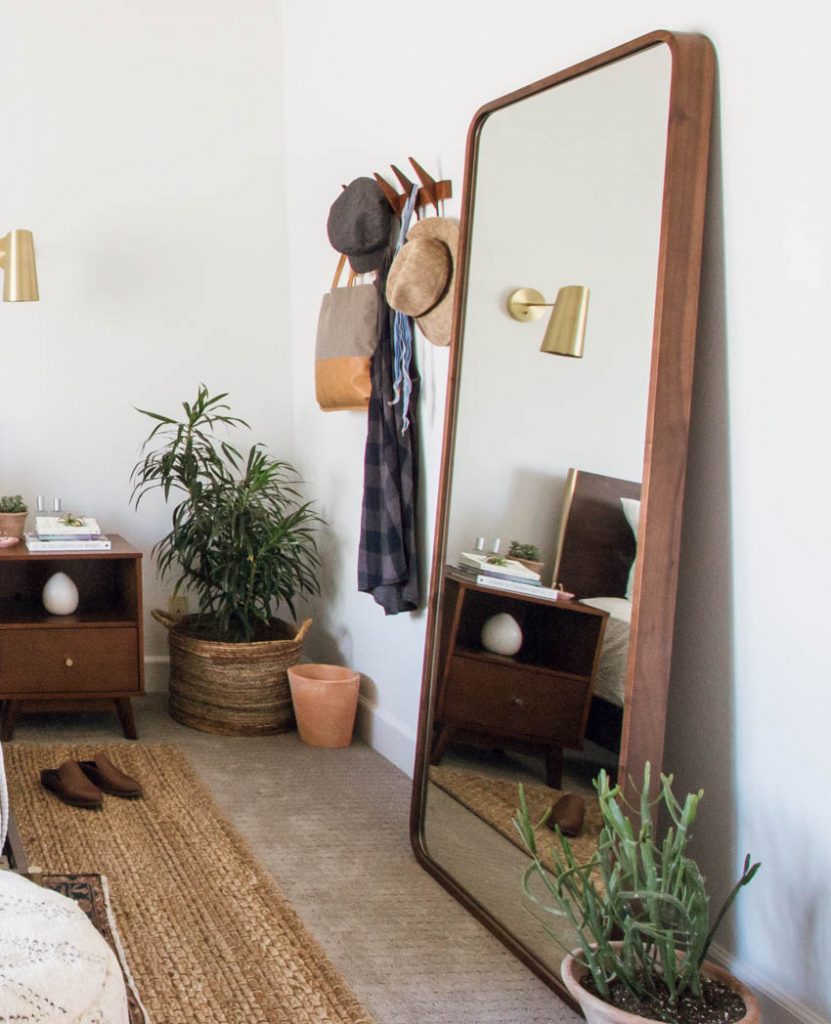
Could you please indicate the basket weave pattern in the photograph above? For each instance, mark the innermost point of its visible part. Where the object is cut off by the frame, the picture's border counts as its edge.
(232, 689)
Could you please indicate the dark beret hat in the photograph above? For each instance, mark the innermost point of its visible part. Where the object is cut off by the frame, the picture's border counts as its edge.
(359, 224)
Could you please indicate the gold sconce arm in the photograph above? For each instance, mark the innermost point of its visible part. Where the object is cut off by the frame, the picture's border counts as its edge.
(17, 260)
(566, 331)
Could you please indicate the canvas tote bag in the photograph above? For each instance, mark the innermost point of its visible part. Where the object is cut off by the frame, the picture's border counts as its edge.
(347, 335)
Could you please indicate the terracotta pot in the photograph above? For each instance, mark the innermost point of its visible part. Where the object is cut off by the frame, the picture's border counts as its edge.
(325, 699)
(596, 1011)
(12, 524)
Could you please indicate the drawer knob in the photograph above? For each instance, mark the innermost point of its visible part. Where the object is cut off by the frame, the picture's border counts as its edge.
(517, 702)
(69, 663)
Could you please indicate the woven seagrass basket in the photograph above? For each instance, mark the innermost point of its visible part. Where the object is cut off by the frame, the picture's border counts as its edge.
(232, 689)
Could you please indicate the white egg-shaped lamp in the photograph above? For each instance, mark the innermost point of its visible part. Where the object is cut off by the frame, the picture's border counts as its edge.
(501, 634)
(60, 595)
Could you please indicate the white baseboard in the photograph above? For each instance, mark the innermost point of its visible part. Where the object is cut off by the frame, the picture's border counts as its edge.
(777, 1007)
(382, 731)
(387, 734)
(156, 673)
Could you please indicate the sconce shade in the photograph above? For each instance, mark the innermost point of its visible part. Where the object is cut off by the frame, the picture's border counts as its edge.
(566, 329)
(17, 259)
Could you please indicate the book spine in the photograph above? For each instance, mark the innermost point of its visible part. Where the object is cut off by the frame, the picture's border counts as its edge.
(508, 578)
(60, 546)
(68, 538)
(517, 588)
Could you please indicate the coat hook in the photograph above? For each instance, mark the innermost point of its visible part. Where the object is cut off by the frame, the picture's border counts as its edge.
(427, 181)
(392, 196)
(404, 181)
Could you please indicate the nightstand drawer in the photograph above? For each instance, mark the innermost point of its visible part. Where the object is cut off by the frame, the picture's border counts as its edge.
(44, 661)
(505, 699)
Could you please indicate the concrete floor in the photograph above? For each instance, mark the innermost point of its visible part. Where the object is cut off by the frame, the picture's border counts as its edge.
(332, 827)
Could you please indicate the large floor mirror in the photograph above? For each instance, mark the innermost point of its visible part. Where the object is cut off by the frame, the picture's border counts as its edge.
(567, 425)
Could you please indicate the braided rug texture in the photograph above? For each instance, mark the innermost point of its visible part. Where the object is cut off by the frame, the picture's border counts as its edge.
(209, 936)
(495, 801)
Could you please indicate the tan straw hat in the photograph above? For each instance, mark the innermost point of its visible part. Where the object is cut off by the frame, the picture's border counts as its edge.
(422, 275)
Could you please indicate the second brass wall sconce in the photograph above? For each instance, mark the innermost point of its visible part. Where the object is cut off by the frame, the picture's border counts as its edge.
(566, 329)
(17, 261)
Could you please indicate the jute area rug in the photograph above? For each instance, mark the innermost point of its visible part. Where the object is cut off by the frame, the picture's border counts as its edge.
(495, 801)
(208, 936)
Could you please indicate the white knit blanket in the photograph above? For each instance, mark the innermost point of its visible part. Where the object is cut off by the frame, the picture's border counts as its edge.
(54, 965)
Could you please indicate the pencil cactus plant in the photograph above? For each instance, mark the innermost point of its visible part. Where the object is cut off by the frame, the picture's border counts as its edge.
(639, 905)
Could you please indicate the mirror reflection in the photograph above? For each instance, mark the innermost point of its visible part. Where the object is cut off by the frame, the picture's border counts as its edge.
(548, 452)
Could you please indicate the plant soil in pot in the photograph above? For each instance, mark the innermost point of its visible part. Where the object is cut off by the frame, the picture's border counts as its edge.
(725, 1000)
(243, 542)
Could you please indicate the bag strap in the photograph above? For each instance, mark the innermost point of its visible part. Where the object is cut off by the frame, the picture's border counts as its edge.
(339, 271)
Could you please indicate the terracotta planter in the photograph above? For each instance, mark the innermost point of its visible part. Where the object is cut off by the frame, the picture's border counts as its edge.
(325, 699)
(12, 524)
(596, 1011)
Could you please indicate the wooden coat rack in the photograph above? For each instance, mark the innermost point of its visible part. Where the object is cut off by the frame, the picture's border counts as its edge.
(431, 192)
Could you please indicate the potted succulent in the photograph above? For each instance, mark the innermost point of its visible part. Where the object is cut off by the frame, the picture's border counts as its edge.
(13, 512)
(527, 554)
(641, 912)
(241, 542)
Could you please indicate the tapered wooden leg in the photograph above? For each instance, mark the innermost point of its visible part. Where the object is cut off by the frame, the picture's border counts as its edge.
(554, 766)
(442, 743)
(11, 709)
(125, 716)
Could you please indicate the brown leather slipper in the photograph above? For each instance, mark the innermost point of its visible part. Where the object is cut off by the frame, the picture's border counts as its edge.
(109, 779)
(69, 784)
(568, 812)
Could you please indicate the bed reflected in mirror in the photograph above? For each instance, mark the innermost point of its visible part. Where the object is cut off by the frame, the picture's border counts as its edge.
(589, 178)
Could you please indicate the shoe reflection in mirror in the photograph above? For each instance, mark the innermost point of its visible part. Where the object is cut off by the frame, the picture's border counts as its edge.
(568, 812)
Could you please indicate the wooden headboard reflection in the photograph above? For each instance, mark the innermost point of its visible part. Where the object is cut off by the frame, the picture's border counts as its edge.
(596, 546)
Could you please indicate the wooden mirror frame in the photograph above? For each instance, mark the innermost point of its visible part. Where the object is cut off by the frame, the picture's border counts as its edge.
(667, 430)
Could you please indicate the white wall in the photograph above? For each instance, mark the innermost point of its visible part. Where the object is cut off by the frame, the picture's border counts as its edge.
(143, 146)
(750, 697)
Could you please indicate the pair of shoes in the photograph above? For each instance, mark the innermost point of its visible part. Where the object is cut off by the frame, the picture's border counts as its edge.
(568, 812)
(83, 783)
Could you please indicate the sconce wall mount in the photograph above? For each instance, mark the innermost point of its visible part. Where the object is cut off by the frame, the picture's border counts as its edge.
(17, 260)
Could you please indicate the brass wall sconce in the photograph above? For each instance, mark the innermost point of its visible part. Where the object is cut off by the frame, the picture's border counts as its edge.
(566, 329)
(17, 260)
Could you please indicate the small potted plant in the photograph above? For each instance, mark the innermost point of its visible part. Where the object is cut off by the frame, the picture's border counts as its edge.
(241, 541)
(641, 912)
(13, 510)
(527, 554)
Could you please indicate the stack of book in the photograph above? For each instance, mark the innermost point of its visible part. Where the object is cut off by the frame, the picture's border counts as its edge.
(506, 574)
(61, 533)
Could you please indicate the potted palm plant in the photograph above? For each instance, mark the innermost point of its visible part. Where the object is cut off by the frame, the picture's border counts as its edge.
(241, 542)
(641, 912)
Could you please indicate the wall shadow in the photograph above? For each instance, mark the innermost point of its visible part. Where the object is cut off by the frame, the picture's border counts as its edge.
(700, 748)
